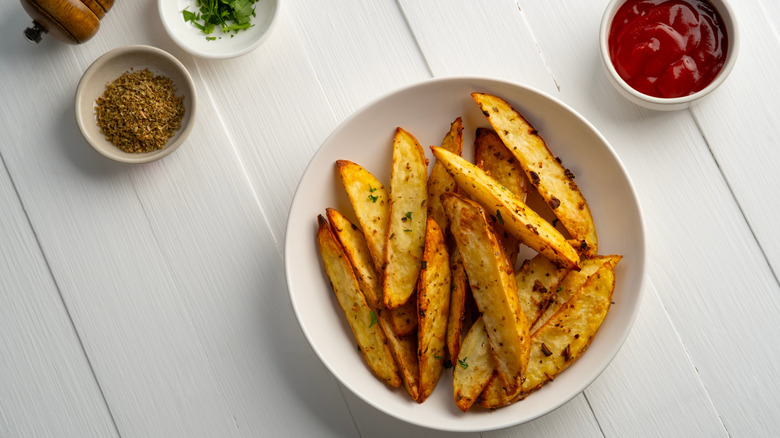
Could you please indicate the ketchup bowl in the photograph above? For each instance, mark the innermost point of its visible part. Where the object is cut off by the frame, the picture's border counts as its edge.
(666, 54)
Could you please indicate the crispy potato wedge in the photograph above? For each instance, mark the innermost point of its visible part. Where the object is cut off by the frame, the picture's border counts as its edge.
(544, 171)
(457, 314)
(433, 308)
(537, 282)
(370, 337)
(404, 350)
(494, 158)
(440, 181)
(493, 286)
(355, 247)
(474, 367)
(404, 317)
(562, 339)
(371, 205)
(408, 213)
(571, 283)
(519, 220)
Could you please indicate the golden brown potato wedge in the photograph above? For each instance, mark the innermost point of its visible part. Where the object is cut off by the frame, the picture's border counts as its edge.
(371, 205)
(519, 220)
(404, 317)
(494, 158)
(493, 286)
(537, 282)
(370, 337)
(572, 283)
(562, 339)
(457, 314)
(408, 213)
(473, 368)
(433, 308)
(354, 243)
(544, 171)
(404, 350)
(440, 181)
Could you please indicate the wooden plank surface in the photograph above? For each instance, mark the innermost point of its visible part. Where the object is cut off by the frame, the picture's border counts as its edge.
(46, 382)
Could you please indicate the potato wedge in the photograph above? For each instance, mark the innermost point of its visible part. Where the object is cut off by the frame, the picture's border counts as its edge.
(537, 282)
(408, 213)
(457, 315)
(371, 205)
(544, 171)
(493, 286)
(370, 337)
(440, 181)
(355, 247)
(433, 308)
(404, 317)
(494, 158)
(572, 283)
(473, 368)
(519, 220)
(404, 350)
(562, 339)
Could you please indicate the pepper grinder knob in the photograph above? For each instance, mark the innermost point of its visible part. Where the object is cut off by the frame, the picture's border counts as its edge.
(33, 34)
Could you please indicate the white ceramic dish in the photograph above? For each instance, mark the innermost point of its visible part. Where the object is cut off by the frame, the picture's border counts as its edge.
(229, 45)
(426, 110)
(660, 103)
(109, 67)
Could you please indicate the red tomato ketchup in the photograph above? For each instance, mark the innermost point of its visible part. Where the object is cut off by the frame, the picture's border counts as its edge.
(668, 48)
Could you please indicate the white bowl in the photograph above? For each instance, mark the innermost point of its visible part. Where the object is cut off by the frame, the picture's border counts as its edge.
(659, 103)
(109, 67)
(226, 45)
(426, 110)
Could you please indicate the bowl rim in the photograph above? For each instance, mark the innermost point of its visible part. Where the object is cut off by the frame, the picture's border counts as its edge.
(182, 43)
(288, 251)
(728, 16)
(187, 88)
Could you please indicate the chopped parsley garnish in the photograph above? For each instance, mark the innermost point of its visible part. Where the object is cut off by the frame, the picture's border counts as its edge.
(373, 318)
(373, 198)
(463, 363)
(228, 15)
(500, 219)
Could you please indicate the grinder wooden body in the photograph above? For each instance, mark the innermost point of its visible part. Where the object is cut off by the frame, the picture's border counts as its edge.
(72, 21)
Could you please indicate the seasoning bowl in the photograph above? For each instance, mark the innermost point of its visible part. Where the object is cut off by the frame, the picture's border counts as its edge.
(674, 103)
(217, 45)
(111, 66)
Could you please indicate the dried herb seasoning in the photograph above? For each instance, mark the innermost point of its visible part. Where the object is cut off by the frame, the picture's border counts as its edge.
(139, 111)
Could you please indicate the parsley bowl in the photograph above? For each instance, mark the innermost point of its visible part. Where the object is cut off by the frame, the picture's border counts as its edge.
(185, 21)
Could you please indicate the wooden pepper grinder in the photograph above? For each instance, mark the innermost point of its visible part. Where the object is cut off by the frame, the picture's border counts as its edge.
(72, 21)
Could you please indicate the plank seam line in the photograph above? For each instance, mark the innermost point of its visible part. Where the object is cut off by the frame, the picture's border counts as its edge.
(414, 36)
(349, 409)
(538, 46)
(734, 197)
(593, 412)
(236, 153)
(650, 286)
(62, 298)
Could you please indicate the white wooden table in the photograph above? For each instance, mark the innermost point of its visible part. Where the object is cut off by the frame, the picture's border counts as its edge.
(151, 300)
